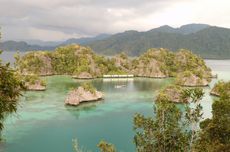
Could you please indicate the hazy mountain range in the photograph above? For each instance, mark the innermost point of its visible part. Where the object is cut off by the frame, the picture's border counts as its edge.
(205, 40)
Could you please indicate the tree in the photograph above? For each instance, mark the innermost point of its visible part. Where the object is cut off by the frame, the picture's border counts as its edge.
(170, 129)
(193, 114)
(106, 147)
(215, 132)
(10, 90)
(103, 146)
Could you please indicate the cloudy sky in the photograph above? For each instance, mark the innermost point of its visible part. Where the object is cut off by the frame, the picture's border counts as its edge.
(53, 20)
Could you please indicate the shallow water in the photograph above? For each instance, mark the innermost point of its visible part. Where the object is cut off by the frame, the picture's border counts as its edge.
(44, 124)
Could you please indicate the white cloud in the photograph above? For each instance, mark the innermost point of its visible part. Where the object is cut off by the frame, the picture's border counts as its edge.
(61, 19)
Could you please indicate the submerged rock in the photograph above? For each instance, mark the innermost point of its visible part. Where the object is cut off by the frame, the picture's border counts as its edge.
(79, 95)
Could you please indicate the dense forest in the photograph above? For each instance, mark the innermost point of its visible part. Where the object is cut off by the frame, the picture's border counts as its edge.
(208, 42)
(204, 40)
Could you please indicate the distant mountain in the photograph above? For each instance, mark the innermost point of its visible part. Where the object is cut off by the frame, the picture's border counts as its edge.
(185, 29)
(21, 46)
(207, 41)
(86, 40)
(192, 28)
(43, 43)
(83, 40)
(28, 45)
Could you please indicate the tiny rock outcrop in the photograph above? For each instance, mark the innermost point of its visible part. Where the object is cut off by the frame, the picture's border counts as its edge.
(79, 95)
(34, 83)
(36, 86)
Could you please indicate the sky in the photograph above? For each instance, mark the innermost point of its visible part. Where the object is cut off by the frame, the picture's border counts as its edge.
(54, 20)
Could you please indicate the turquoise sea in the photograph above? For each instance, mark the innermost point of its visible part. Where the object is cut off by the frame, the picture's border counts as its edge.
(44, 124)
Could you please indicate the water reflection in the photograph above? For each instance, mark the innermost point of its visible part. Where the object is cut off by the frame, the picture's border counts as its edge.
(85, 107)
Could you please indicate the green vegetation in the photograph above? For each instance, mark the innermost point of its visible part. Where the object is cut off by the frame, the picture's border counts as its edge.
(164, 63)
(175, 129)
(11, 87)
(170, 130)
(103, 146)
(208, 42)
(89, 87)
(215, 132)
(83, 62)
(173, 63)
(192, 69)
(221, 87)
(32, 79)
(172, 93)
(38, 63)
(70, 60)
(106, 147)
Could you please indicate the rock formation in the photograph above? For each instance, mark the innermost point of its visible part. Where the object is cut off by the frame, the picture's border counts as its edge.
(221, 87)
(172, 93)
(81, 62)
(79, 95)
(189, 79)
(34, 83)
(37, 86)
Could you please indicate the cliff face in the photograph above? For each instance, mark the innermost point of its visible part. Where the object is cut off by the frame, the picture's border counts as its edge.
(122, 62)
(190, 79)
(75, 60)
(172, 93)
(152, 63)
(35, 63)
(191, 69)
(82, 62)
(149, 69)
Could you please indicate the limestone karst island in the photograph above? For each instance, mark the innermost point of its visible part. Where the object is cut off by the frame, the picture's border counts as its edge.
(114, 76)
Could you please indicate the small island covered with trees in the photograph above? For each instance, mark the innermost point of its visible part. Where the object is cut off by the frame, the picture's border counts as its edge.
(81, 62)
(85, 93)
(172, 122)
(114, 76)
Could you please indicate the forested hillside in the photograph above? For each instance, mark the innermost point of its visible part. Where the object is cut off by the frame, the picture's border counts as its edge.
(208, 42)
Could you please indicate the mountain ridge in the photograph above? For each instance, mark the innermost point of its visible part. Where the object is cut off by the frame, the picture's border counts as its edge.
(205, 40)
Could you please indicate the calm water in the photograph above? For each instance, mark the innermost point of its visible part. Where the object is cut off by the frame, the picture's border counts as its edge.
(44, 124)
